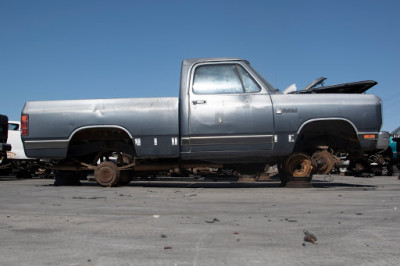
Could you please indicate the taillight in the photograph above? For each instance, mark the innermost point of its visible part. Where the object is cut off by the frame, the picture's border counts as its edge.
(24, 125)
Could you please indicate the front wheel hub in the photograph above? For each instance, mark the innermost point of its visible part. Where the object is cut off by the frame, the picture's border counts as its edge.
(323, 162)
(298, 165)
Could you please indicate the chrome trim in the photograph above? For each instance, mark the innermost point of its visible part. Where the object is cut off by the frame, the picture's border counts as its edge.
(63, 144)
(228, 140)
(46, 144)
(185, 141)
(368, 133)
(99, 126)
(327, 119)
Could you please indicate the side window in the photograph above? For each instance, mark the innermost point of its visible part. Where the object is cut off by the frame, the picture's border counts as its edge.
(13, 126)
(249, 84)
(214, 79)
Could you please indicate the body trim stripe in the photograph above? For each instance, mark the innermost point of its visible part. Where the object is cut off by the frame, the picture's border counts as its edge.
(227, 140)
(63, 144)
(46, 144)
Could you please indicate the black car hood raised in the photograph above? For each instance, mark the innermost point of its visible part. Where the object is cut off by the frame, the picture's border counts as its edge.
(352, 87)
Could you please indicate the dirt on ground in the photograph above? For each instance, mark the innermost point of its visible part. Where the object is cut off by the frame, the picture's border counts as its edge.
(341, 220)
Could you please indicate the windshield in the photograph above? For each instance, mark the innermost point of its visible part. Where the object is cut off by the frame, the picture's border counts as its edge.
(266, 84)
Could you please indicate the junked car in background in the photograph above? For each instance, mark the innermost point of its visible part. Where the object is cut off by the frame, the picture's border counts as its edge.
(4, 147)
(19, 163)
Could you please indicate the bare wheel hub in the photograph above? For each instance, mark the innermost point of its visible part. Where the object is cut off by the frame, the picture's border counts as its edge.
(107, 174)
(323, 162)
(298, 165)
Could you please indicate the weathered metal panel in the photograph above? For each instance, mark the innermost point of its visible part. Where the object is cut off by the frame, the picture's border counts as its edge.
(237, 125)
(53, 122)
(293, 111)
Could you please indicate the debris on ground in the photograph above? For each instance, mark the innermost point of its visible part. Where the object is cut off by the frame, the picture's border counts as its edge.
(212, 221)
(190, 195)
(310, 237)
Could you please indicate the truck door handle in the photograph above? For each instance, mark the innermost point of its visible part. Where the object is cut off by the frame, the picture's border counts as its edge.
(199, 102)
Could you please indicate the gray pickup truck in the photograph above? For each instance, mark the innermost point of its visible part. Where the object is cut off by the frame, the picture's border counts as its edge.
(227, 117)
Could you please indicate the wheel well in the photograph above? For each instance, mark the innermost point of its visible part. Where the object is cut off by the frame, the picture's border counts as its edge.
(339, 135)
(92, 140)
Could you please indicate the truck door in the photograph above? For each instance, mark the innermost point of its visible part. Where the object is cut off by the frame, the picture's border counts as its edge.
(230, 112)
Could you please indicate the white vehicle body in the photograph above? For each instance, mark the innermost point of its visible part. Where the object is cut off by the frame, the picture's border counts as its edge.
(14, 138)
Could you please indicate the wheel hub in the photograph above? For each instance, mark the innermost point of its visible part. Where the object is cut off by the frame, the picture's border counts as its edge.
(298, 165)
(323, 162)
(107, 174)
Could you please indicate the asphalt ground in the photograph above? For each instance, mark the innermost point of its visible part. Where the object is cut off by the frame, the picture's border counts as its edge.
(356, 222)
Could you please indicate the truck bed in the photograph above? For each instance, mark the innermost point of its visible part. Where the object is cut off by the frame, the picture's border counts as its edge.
(53, 123)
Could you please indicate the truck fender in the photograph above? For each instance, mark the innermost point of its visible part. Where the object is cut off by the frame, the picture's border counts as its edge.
(334, 132)
(96, 138)
(99, 127)
(332, 119)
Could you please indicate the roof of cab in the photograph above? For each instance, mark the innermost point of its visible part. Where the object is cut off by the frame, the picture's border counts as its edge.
(193, 61)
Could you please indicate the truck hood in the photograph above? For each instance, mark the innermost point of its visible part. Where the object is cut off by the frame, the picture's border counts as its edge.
(357, 87)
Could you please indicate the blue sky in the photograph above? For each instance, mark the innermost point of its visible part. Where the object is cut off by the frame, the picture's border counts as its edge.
(51, 50)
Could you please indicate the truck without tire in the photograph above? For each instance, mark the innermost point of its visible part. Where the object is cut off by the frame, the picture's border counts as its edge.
(227, 116)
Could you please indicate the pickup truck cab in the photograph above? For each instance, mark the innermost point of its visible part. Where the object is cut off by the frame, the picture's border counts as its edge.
(227, 116)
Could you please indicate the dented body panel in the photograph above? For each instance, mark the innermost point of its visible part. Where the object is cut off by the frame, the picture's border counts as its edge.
(54, 123)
